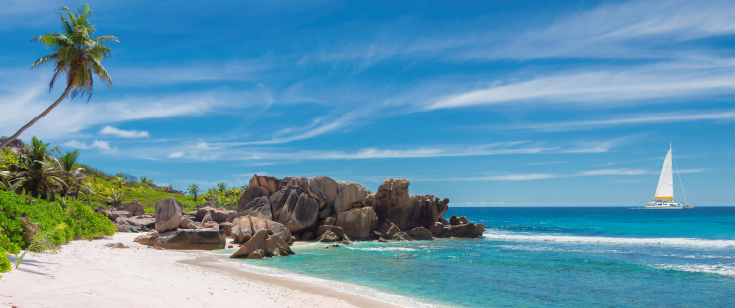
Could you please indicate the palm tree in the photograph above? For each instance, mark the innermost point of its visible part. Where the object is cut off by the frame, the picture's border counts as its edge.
(221, 186)
(37, 171)
(146, 180)
(77, 55)
(67, 162)
(194, 190)
(119, 181)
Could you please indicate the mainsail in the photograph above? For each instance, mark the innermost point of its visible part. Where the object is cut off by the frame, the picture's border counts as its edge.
(665, 189)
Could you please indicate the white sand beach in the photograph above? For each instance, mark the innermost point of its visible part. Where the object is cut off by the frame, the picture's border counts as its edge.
(89, 274)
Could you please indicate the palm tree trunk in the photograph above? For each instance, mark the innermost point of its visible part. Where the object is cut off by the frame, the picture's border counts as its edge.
(22, 129)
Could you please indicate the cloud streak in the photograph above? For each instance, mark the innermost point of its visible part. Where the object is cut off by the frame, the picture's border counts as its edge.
(109, 130)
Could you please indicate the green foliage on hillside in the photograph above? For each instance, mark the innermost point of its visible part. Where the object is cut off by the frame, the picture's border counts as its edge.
(78, 219)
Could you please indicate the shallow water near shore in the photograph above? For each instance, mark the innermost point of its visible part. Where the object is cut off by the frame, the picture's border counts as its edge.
(541, 257)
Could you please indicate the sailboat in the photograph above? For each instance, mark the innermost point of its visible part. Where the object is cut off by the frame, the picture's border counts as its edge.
(664, 197)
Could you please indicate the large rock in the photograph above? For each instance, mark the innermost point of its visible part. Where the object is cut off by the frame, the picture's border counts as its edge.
(113, 215)
(436, 229)
(350, 197)
(218, 215)
(393, 202)
(147, 221)
(468, 230)
(271, 184)
(293, 207)
(358, 223)
(187, 239)
(250, 194)
(134, 207)
(258, 207)
(302, 182)
(227, 227)
(420, 233)
(263, 244)
(330, 189)
(244, 227)
(169, 213)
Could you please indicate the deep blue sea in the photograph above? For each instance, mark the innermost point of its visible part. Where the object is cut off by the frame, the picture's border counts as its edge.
(536, 257)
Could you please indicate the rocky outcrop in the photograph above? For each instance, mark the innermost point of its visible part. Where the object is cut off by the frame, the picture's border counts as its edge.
(293, 207)
(187, 223)
(358, 223)
(393, 202)
(134, 207)
(169, 213)
(258, 207)
(113, 215)
(330, 189)
(250, 194)
(186, 239)
(420, 233)
(467, 230)
(350, 197)
(263, 244)
(218, 215)
(245, 227)
(271, 184)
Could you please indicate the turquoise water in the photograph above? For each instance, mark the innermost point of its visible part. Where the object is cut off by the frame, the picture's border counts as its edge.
(567, 257)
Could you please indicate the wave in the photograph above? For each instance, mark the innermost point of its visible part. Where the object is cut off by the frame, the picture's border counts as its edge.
(384, 248)
(672, 241)
(725, 270)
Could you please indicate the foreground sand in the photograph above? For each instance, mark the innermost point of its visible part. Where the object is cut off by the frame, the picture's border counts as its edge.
(88, 274)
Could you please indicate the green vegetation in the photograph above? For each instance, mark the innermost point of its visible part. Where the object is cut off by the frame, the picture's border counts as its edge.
(77, 55)
(38, 225)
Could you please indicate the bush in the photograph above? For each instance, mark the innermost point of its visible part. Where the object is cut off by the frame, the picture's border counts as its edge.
(80, 220)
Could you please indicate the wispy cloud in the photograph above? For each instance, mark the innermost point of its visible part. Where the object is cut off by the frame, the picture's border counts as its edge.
(600, 88)
(109, 130)
(101, 145)
(542, 176)
(688, 116)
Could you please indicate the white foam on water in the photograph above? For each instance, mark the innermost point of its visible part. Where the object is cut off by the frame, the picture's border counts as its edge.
(725, 270)
(394, 299)
(672, 241)
(384, 249)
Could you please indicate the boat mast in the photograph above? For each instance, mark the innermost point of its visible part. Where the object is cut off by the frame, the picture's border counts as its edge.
(679, 175)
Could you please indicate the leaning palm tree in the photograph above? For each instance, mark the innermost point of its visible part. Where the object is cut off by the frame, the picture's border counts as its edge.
(77, 55)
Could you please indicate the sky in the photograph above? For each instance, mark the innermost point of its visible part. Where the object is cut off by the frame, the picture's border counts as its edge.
(487, 103)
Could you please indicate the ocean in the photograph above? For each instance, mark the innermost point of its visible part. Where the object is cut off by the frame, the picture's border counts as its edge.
(539, 257)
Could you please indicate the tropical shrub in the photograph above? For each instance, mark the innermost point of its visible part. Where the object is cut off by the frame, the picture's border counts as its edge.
(79, 221)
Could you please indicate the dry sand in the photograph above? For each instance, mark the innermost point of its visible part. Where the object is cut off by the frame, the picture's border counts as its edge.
(88, 274)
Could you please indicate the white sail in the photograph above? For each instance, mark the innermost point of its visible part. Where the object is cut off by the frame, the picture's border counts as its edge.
(665, 189)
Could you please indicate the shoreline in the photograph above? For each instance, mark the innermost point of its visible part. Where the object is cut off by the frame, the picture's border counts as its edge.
(91, 274)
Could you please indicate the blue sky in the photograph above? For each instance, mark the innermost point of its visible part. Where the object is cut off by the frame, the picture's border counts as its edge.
(488, 103)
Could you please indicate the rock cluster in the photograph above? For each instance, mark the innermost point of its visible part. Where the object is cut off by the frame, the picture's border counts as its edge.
(273, 212)
(307, 207)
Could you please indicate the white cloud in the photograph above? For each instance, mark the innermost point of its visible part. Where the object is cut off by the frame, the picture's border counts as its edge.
(619, 86)
(101, 145)
(176, 155)
(109, 130)
(72, 116)
(688, 116)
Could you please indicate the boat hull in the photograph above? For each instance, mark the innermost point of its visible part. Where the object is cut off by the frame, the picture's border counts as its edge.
(662, 207)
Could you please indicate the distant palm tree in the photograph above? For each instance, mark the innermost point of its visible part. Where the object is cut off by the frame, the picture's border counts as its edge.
(194, 190)
(119, 181)
(37, 172)
(77, 55)
(221, 186)
(146, 180)
(73, 176)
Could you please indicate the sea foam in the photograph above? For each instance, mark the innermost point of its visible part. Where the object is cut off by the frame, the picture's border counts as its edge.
(671, 241)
